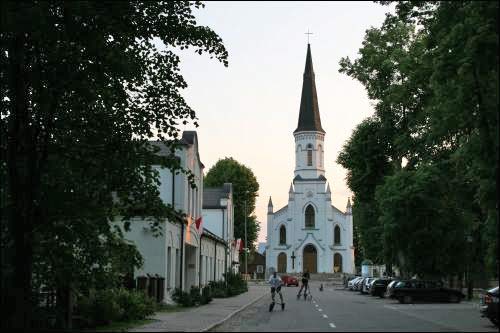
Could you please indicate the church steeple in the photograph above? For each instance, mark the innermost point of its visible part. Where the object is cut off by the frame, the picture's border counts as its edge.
(309, 135)
(309, 119)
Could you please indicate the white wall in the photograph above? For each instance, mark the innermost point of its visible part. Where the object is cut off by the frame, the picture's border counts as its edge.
(212, 220)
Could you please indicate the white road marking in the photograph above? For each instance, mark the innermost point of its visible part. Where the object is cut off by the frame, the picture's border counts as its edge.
(325, 316)
(320, 310)
(316, 305)
(332, 325)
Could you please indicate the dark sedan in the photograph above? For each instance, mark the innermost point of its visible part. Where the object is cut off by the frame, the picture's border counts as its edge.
(432, 291)
(489, 305)
(379, 287)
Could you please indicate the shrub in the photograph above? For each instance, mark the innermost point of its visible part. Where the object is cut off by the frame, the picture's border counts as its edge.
(195, 295)
(183, 298)
(235, 285)
(206, 295)
(135, 304)
(102, 307)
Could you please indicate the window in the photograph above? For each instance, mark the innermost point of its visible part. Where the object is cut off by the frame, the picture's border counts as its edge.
(309, 155)
(282, 235)
(309, 217)
(336, 235)
(320, 154)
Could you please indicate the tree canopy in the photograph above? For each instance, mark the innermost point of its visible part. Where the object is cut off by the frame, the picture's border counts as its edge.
(245, 190)
(85, 85)
(432, 71)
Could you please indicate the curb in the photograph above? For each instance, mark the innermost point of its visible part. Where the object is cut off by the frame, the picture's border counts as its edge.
(220, 322)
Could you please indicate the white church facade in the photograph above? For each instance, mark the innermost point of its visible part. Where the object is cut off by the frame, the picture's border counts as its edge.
(309, 233)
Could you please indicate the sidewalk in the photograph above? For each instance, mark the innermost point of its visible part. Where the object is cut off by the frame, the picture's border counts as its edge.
(203, 318)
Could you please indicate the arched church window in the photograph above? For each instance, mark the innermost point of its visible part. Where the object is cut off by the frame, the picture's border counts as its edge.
(320, 155)
(336, 235)
(282, 235)
(309, 155)
(309, 217)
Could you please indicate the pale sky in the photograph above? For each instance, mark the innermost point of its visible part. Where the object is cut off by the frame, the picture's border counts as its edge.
(250, 109)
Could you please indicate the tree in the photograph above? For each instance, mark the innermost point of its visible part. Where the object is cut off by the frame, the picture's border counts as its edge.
(83, 90)
(432, 71)
(365, 156)
(245, 190)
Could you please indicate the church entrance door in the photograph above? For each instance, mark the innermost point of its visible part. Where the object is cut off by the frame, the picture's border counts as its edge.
(310, 259)
(337, 262)
(282, 263)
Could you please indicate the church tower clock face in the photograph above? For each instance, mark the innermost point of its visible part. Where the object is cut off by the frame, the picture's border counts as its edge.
(309, 217)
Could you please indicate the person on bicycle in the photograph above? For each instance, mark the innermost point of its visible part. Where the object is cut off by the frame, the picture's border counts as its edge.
(305, 283)
(275, 282)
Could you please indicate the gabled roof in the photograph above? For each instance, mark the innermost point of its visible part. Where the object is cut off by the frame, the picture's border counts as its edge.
(309, 119)
(212, 196)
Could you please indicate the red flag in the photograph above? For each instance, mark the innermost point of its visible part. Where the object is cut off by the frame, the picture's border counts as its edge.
(199, 224)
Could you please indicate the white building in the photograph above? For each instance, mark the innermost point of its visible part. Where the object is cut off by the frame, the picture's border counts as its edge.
(173, 256)
(309, 233)
(218, 218)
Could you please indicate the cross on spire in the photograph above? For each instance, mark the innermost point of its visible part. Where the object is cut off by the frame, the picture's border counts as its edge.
(308, 33)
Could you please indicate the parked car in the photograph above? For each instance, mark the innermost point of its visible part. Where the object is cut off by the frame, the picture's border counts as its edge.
(489, 305)
(366, 285)
(379, 287)
(418, 290)
(359, 284)
(289, 280)
(350, 281)
(390, 288)
(351, 284)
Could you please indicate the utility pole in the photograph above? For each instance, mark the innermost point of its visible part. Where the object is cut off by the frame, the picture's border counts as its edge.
(246, 245)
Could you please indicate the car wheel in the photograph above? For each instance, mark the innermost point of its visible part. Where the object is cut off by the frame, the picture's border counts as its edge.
(494, 321)
(454, 299)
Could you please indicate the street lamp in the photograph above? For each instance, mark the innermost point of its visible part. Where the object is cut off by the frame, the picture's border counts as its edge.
(223, 204)
(246, 244)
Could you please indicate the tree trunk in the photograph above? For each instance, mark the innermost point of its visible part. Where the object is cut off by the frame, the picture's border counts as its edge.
(21, 164)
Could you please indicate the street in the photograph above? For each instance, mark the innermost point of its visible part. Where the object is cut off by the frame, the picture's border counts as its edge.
(342, 310)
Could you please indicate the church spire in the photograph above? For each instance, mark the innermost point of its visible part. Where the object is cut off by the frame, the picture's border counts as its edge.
(309, 119)
(270, 206)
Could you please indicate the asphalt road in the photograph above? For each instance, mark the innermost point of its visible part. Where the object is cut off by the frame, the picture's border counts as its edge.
(342, 310)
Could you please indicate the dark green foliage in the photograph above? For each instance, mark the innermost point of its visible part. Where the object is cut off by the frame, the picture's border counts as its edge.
(245, 189)
(218, 289)
(206, 295)
(182, 297)
(235, 285)
(102, 307)
(135, 304)
(423, 169)
(84, 88)
(195, 294)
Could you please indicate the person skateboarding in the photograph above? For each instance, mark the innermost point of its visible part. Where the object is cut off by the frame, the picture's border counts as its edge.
(305, 283)
(276, 283)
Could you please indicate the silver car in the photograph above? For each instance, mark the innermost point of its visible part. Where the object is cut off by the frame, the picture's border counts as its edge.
(351, 284)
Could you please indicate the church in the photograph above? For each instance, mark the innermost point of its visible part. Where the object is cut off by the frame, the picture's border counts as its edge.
(309, 233)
